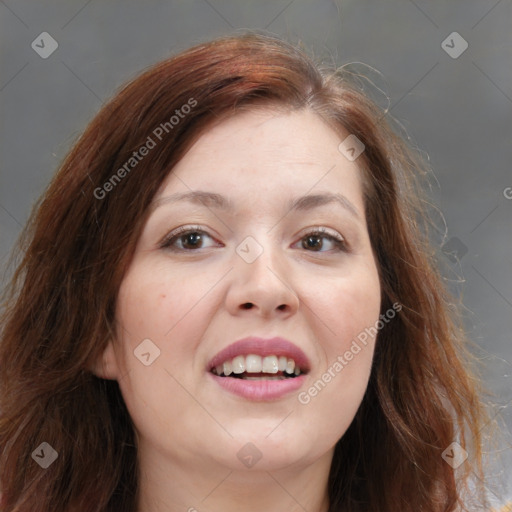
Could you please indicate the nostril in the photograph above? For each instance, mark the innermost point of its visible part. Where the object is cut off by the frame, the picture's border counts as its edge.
(281, 307)
(247, 305)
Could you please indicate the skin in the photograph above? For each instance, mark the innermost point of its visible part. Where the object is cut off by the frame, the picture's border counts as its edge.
(191, 305)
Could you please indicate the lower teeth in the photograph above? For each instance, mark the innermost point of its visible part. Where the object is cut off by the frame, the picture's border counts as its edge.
(244, 377)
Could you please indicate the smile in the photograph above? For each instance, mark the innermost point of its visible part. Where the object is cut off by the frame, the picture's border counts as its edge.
(260, 369)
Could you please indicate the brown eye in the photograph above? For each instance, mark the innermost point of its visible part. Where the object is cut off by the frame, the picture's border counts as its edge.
(322, 241)
(187, 239)
(191, 240)
(313, 242)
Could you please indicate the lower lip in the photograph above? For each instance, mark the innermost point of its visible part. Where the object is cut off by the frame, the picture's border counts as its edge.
(260, 390)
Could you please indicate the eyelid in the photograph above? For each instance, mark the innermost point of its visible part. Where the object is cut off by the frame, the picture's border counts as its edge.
(322, 230)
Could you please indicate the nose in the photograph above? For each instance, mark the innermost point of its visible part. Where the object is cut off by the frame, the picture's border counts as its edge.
(261, 288)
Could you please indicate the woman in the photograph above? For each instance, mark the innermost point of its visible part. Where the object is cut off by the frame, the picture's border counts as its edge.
(227, 302)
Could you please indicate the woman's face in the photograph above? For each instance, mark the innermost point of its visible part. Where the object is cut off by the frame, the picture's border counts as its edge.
(257, 238)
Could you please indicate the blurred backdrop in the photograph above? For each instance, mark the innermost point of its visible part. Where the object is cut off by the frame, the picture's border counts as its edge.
(445, 69)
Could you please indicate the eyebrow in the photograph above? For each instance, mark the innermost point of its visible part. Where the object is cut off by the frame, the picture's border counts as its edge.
(208, 199)
(310, 201)
(213, 200)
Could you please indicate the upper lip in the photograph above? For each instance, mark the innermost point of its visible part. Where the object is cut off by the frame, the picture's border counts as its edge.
(263, 347)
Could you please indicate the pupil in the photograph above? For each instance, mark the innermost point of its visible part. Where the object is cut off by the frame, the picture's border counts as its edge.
(313, 242)
(192, 240)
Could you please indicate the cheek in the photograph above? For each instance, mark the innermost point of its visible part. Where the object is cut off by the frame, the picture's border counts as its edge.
(156, 301)
(345, 308)
(172, 313)
(346, 311)
(171, 310)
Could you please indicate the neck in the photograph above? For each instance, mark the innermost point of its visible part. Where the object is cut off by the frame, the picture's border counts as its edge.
(172, 485)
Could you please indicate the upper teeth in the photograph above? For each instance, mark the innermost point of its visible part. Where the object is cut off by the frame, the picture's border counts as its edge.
(253, 363)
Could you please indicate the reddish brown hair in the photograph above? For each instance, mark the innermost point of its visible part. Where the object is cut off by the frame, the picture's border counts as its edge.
(59, 309)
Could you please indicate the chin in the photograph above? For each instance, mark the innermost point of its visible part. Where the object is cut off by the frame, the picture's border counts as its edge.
(258, 450)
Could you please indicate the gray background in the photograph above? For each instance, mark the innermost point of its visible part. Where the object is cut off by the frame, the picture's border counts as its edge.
(458, 111)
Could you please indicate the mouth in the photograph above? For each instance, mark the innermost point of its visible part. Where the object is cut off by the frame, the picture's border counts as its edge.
(260, 369)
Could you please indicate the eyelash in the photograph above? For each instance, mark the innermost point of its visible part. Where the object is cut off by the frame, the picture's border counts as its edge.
(171, 238)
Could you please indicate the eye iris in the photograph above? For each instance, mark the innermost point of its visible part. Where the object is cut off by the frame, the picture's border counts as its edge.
(312, 242)
(191, 240)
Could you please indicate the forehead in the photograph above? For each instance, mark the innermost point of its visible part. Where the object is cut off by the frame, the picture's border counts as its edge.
(296, 136)
(261, 152)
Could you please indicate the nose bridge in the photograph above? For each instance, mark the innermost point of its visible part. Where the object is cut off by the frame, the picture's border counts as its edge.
(260, 277)
(262, 258)
(256, 252)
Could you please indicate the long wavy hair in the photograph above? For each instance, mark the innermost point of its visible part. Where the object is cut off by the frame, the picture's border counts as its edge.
(59, 308)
